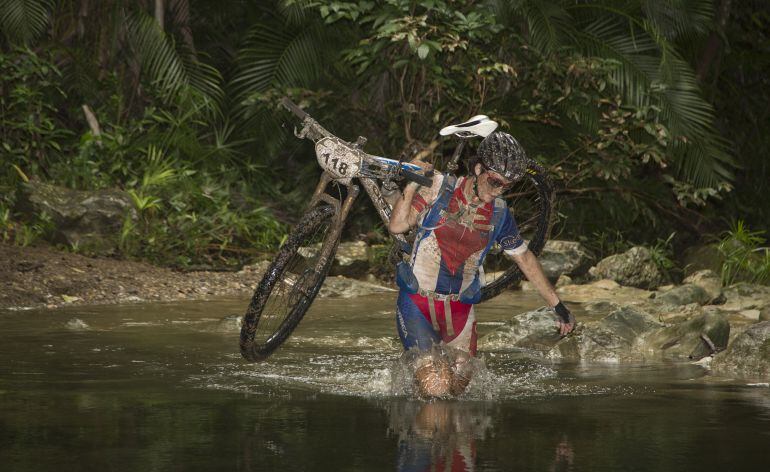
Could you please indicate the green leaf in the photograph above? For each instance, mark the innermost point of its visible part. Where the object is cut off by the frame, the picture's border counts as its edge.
(422, 51)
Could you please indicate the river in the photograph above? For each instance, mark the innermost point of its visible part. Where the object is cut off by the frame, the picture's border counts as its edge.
(163, 387)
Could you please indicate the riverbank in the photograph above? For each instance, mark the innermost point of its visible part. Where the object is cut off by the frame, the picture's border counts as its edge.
(627, 315)
(43, 277)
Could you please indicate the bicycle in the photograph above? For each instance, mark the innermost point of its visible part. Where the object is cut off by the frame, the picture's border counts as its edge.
(298, 270)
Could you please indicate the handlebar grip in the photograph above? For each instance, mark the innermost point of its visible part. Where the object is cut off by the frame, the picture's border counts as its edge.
(292, 107)
(424, 180)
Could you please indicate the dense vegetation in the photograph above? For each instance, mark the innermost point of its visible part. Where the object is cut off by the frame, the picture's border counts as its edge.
(652, 115)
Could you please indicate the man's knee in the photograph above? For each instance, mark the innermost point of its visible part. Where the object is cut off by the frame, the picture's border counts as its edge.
(462, 375)
(434, 377)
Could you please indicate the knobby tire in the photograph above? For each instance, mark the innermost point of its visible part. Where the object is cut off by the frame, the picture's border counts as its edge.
(262, 332)
(542, 201)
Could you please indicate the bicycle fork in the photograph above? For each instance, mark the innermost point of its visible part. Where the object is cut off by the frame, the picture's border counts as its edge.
(341, 211)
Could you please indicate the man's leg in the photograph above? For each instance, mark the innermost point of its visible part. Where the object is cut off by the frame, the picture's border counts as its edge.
(465, 344)
(432, 372)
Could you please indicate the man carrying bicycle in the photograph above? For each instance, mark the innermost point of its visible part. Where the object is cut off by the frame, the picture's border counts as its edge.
(458, 220)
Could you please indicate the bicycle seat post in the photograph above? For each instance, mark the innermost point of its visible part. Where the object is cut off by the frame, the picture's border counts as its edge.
(452, 166)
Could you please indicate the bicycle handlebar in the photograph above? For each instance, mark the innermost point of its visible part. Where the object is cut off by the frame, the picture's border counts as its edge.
(292, 107)
(425, 180)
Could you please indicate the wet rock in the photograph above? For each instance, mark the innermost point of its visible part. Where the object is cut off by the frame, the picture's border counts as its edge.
(699, 337)
(599, 290)
(76, 324)
(89, 220)
(343, 287)
(563, 281)
(564, 257)
(258, 269)
(531, 330)
(601, 307)
(612, 339)
(684, 295)
(748, 355)
(744, 296)
(667, 313)
(709, 282)
(750, 314)
(764, 314)
(634, 268)
(351, 259)
(229, 324)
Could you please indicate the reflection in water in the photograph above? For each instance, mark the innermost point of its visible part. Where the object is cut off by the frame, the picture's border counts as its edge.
(565, 456)
(162, 387)
(438, 435)
(442, 436)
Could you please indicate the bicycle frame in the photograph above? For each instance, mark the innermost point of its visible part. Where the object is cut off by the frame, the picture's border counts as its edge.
(343, 163)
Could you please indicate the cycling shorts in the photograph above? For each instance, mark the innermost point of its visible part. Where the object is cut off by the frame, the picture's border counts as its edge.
(424, 321)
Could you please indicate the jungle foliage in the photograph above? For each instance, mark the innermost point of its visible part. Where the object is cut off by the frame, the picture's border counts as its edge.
(651, 114)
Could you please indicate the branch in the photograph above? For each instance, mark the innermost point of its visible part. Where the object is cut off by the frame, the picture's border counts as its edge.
(96, 131)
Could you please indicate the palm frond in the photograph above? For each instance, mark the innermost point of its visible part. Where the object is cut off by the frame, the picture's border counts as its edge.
(294, 11)
(679, 18)
(648, 70)
(291, 57)
(171, 69)
(547, 22)
(276, 55)
(23, 21)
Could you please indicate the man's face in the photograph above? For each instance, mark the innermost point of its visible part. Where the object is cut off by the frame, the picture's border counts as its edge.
(491, 184)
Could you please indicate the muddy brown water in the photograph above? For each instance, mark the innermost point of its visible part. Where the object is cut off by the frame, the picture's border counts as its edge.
(163, 387)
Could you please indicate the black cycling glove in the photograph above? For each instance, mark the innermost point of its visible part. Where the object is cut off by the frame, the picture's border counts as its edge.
(564, 313)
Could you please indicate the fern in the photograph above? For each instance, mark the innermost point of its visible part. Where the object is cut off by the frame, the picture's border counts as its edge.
(23, 21)
(172, 70)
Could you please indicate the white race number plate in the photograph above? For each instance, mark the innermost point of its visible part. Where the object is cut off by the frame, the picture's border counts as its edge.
(337, 158)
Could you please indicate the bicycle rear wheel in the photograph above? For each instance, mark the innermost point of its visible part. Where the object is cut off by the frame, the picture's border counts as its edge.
(289, 285)
(530, 201)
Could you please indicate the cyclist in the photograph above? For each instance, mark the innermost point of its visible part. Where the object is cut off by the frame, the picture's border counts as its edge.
(458, 220)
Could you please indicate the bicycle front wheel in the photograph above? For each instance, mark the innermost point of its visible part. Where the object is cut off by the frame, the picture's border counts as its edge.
(289, 285)
(530, 201)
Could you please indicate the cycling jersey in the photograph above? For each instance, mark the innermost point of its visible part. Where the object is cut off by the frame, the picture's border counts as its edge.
(447, 256)
(445, 260)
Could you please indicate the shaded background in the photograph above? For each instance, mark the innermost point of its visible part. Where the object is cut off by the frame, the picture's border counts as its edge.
(652, 115)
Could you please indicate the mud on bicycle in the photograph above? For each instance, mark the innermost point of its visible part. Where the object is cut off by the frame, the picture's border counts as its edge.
(299, 268)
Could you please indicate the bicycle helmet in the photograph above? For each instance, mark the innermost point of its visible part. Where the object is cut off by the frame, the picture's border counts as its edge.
(501, 153)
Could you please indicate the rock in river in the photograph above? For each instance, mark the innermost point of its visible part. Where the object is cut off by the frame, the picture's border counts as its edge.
(344, 287)
(634, 267)
(709, 282)
(684, 295)
(532, 330)
(612, 339)
(695, 339)
(748, 355)
(564, 257)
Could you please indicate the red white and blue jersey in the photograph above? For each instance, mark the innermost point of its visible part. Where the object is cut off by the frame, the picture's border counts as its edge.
(446, 256)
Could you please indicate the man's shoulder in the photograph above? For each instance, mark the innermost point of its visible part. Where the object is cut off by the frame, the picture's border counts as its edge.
(430, 194)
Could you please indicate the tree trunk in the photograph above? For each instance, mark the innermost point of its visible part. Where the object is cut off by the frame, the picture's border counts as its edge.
(159, 11)
(82, 15)
(714, 42)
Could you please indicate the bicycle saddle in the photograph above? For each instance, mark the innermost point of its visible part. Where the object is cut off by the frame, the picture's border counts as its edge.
(479, 125)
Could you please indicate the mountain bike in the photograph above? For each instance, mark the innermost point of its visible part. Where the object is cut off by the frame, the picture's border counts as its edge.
(294, 277)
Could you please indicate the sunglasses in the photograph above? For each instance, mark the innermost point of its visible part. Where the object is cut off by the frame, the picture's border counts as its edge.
(497, 183)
